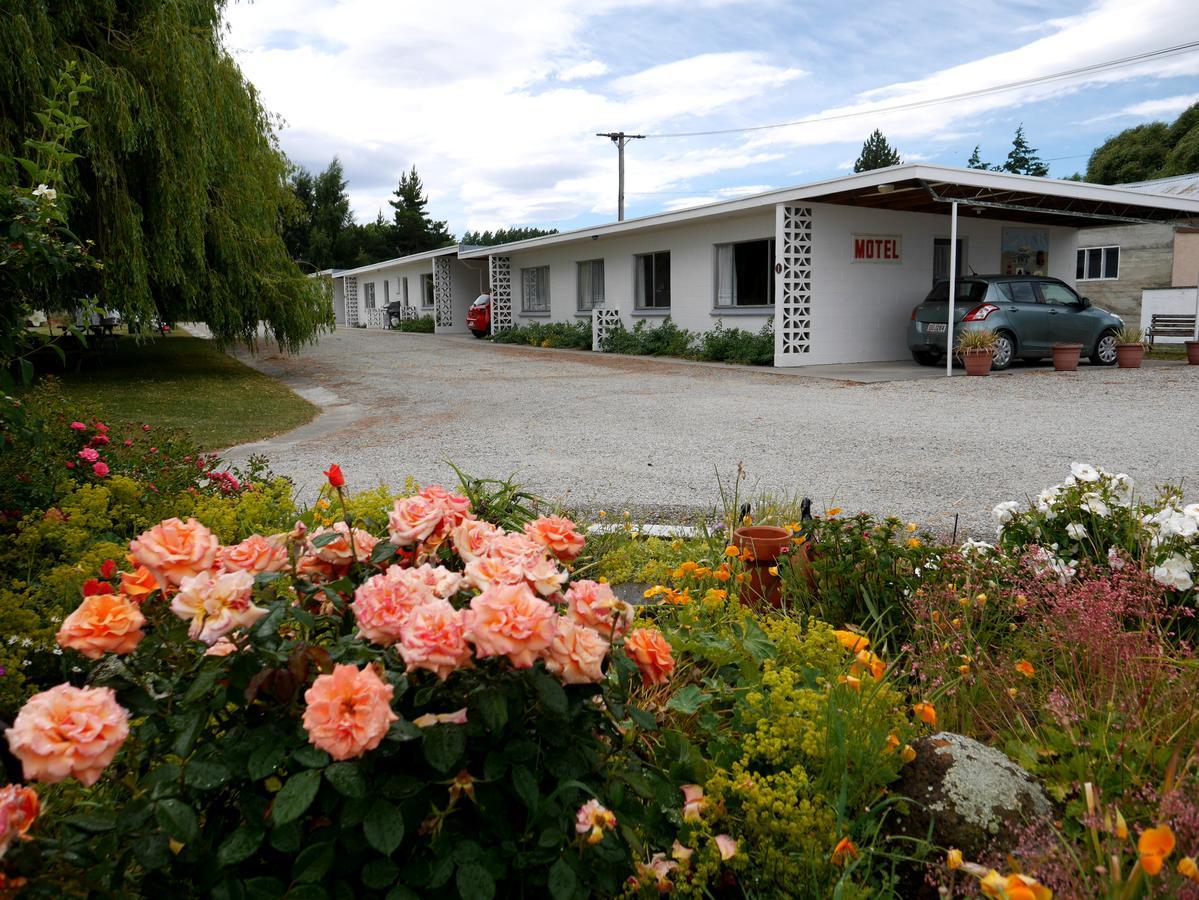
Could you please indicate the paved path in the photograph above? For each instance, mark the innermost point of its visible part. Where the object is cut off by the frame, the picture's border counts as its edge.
(648, 435)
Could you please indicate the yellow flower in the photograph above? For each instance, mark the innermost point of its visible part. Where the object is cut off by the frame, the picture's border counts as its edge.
(1012, 692)
(602, 514)
(926, 713)
(956, 623)
(964, 669)
(1188, 868)
(603, 579)
(747, 520)
(773, 570)
(731, 551)
(844, 851)
(835, 511)
(963, 602)
(1021, 601)
(911, 526)
(865, 661)
(892, 743)
(1025, 668)
(1154, 845)
(851, 640)
(655, 591)
(981, 599)
(914, 542)
(953, 859)
(908, 754)
(936, 616)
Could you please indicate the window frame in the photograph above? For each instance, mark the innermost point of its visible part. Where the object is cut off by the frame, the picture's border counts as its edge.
(639, 304)
(525, 308)
(1039, 287)
(771, 259)
(368, 295)
(427, 298)
(1082, 260)
(595, 302)
(404, 289)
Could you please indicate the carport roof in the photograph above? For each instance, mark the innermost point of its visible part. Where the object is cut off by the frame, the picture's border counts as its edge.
(451, 250)
(922, 188)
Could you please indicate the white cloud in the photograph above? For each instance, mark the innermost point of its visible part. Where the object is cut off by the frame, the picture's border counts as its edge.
(592, 68)
(1162, 108)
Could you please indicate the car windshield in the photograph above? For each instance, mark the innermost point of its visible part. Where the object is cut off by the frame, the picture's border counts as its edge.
(968, 291)
(482, 300)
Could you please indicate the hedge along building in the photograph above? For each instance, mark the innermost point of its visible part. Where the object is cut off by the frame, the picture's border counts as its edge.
(437, 283)
(835, 266)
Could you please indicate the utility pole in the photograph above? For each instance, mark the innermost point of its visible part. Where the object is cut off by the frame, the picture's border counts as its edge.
(619, 138)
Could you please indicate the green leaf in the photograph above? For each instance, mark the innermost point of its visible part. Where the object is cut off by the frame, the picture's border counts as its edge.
(403, 730)
(264, 888)
(379, 873)
(383, 827)
(551, 693)
(347, 779)
(311, 757)
(688, 699)
(444, 745)
(399, 892)
(200, 686)
(384, 550)
(491, 706)
(26, 371)
(189, 732)
(295, 797)
(642, 718)
(475, 882)
(239, 846)
(322, 540)
(754, 640)
(204, 775)
(307, 892)
(152, 851)
(178, 820)
(269, 623)
(265, 760)
(562, 880)
(312, 863)
(525, 786)
(96, 822)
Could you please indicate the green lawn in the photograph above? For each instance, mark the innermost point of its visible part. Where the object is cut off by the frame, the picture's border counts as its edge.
(185, 382)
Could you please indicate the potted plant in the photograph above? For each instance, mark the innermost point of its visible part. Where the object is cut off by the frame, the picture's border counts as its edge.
(1193, 351)
(762, 545)
(1130, 347)
(1066, 356)
(975, 349)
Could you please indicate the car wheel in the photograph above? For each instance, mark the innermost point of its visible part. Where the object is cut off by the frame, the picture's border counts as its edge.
(1005, 352)
(927, 357)
(478, 334)
(1105, 350)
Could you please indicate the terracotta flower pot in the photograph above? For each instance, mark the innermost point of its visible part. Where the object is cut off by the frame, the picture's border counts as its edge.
(765, 544)
(977, 360)
(1129, 356)
(1193, 353)
(1066, 356)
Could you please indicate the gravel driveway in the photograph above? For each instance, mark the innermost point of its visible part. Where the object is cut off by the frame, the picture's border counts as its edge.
(619, 433)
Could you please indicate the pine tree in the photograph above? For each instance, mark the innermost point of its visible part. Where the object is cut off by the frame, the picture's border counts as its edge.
(505, 235)
(1022, 159)
(876, 154)
(975, 161)
(415, 231)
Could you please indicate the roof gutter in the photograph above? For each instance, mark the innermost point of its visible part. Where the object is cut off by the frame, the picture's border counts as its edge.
(1019, 207)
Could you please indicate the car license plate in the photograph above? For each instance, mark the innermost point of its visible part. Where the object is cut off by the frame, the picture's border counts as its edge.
(936, 328)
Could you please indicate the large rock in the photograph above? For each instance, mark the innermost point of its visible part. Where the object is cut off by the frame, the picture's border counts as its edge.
(973, 796)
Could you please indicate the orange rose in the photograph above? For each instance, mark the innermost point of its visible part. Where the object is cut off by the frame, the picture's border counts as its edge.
(174, 550)
(68, 731)
(103, 623)
(558, 535)
(651, 651)
(255, 555)
(138, 584)
(577, 654)
(348, 712)
(18, 810)
(510, 620)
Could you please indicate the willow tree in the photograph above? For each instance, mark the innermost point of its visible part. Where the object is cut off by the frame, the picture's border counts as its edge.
(180, 182)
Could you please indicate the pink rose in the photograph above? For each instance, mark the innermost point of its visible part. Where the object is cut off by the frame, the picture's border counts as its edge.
(101, 469)
(577, 654)
(510, 620)
(18, 809)
(544, 575)
(454, 507)
(103, 623)
(473, 538)
(412, 520)
(487, 571)
(255, 555)
(348, 711)
(68, 731)
(441, 581)
(337, 553)
(87, 454)
(651, 651)
(514, 557)
(593, 604)
(216, 604)
(78, 426)
(383, 603)
(433, 638)
(174, 550)
(558, 535)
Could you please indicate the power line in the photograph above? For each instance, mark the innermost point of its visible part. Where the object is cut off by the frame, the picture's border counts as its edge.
(964, 95)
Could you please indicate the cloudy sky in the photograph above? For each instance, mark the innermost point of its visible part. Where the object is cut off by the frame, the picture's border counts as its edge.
(497, 104)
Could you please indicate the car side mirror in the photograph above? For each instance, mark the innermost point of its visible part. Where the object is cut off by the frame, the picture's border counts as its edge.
(1085, 302)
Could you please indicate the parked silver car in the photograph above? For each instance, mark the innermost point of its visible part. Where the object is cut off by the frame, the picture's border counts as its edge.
(1029, 314)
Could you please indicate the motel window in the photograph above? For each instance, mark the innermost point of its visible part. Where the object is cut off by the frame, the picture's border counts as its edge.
(368, 295)
(535, 289)
(405, 291)
(591, 284)
(653, 281)
(745, 273)
(426, 290)
(386, 291)
(1097, 263)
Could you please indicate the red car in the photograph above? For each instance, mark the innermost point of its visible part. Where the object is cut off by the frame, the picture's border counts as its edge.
(478, 317)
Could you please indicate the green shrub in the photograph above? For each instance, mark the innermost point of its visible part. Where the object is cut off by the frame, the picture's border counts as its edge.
(733, 345)
(419, 325)
(561, 335)
(663, 339)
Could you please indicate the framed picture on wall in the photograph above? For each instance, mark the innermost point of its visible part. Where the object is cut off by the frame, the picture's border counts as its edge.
(1024, 251)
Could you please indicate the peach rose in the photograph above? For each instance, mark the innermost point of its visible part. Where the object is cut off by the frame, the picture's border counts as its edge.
(428, 720)
(441, 581)
(103, 623)
(175, 550)
(222, 647)
(593, 604)
(487, 571)
(433, 638)
(18, 810)
(473, 538)
(577, 653)
(383, 603)
(412, 520)
(651, 651)
(510, 620)
(68, 731)
(138, 584)
(348, 711)
(337, 552)
(216, 604)
(454, 507)
(511, 558)
(544, 575)
(558, 535)
(255, 555)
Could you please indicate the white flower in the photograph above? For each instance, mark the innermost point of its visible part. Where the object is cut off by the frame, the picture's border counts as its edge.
(1175, 573)
(1084, 471)
(1114, 560)
(975, 548)
(1192, 510)
(46, 192)
(1094, 503)
(1045, 501)
(1122, 489)
(1004, 512)
(1076, 531)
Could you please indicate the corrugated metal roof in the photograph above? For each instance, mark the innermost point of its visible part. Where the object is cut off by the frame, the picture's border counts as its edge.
(1178, 185)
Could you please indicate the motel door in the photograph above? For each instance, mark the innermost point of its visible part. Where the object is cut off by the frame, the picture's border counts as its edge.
(941, 258)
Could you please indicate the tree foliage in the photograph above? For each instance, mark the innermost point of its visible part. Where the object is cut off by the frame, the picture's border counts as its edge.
(416, 231)
(876, 154)
(1021, 159)
(180, 184)
(505, 235)
(1145, 152)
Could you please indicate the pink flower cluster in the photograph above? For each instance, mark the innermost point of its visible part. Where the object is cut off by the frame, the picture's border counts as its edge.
(18, 810)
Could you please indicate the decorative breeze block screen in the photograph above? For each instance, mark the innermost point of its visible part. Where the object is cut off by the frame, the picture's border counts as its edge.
(376, 318)
(501, 293)
(796, 289)
(443, 299)
(602, 321)
(351, 294)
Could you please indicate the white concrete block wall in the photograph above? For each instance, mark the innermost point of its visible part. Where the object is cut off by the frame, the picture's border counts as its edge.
(394, 276)
(1170, 302)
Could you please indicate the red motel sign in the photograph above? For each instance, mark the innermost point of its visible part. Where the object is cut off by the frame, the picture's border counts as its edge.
(876, 248)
